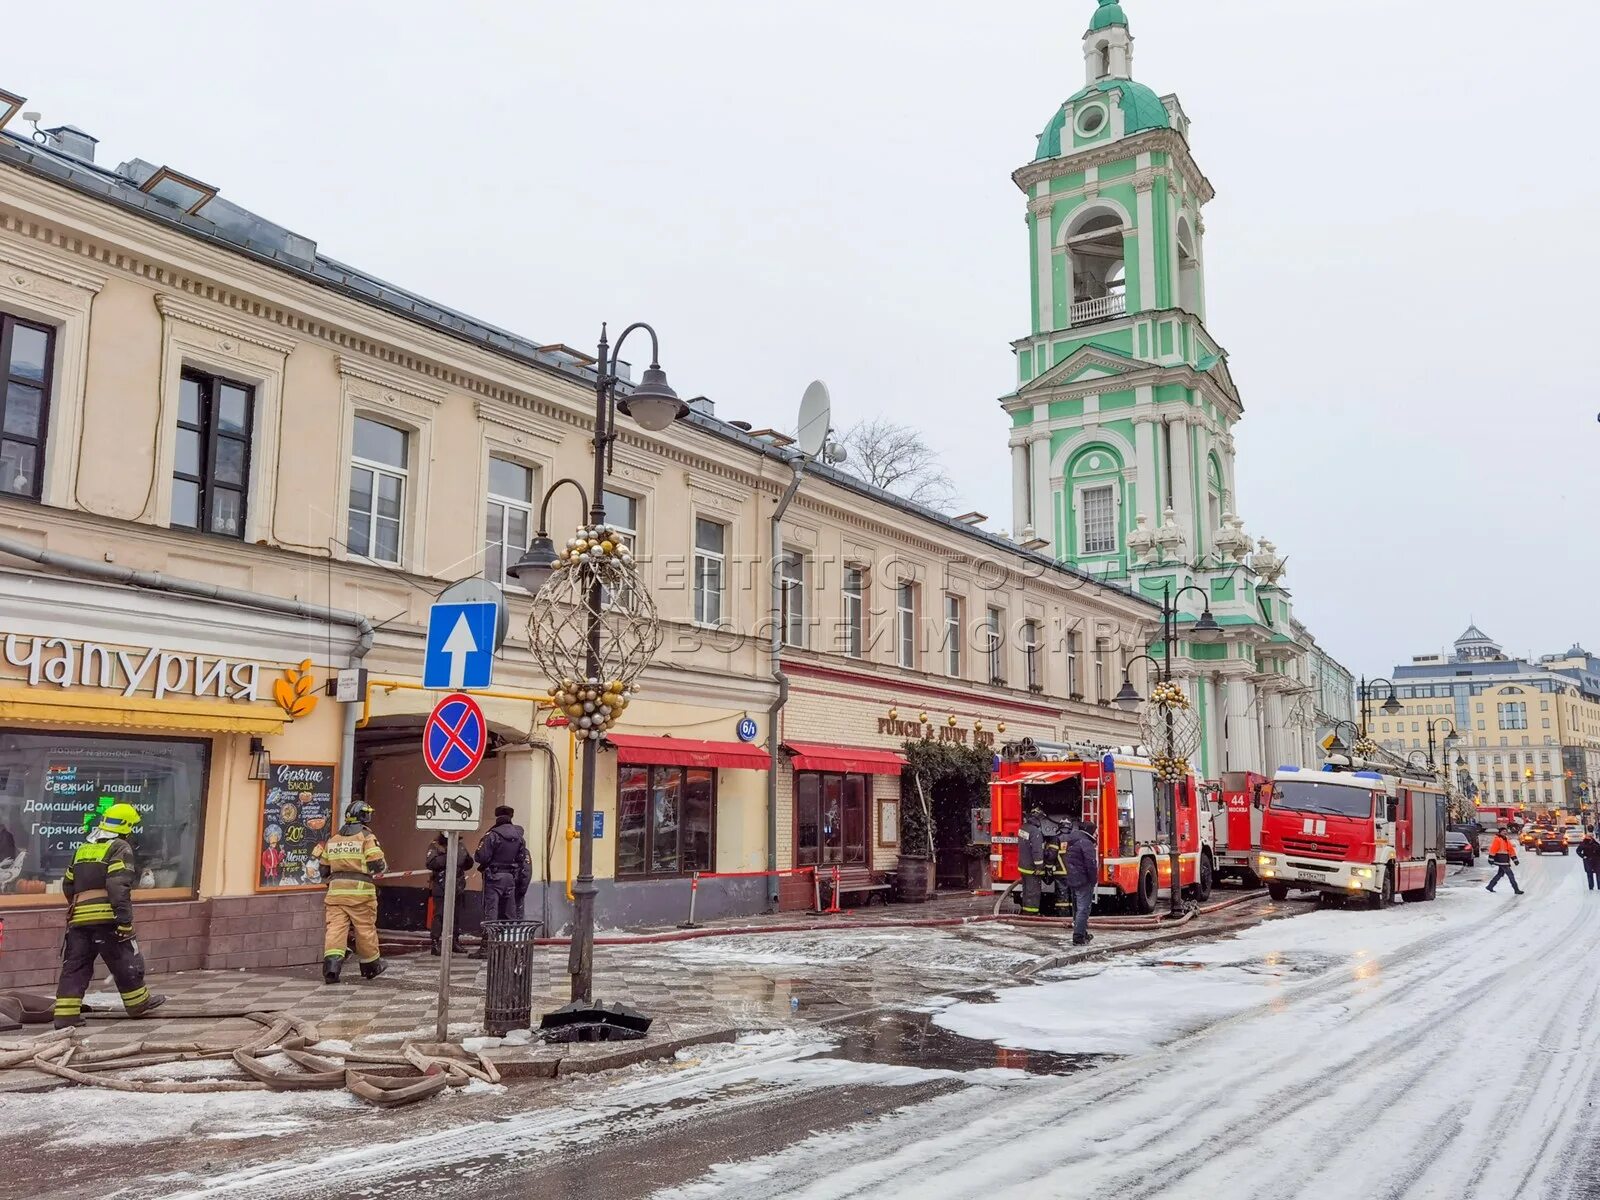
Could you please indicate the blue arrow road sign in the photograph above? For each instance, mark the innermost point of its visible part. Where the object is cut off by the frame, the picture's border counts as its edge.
(460, 646)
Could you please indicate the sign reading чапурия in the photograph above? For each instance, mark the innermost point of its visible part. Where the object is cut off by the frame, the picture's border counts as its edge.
(68, 663)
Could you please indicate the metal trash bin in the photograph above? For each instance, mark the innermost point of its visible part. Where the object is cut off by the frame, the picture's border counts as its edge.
(508, 987)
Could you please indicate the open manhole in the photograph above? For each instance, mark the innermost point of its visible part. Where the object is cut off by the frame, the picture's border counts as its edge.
(908, 1039)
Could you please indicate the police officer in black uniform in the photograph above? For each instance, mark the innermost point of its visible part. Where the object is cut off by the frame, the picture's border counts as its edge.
(507, 870)
(437, 860)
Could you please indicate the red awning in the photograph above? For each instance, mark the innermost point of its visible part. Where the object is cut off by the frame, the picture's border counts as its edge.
(851, 760)
(636, 751)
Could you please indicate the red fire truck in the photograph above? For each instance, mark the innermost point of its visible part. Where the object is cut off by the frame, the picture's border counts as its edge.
(1345, 832)
(1237, 802)
(1117, 790)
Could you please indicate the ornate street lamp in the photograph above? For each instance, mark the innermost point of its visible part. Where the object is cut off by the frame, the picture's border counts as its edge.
(1168, 719)
(593, 627)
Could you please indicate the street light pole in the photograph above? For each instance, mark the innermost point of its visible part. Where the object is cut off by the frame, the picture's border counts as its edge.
(1207, 624)
(654, 406)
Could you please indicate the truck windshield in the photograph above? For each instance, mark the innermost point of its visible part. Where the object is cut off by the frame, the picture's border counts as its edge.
(1332, 799)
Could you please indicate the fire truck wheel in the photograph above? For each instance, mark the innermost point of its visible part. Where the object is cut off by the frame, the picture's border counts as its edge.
(1202, 886)
(1144, 899)
(1430, 890)
(1278, 891)
(1383, 899)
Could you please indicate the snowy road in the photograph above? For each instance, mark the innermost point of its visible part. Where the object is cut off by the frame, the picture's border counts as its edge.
(1443, 1050)
(1433, 1050)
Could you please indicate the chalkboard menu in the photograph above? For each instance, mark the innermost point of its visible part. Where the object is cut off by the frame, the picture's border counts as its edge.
(297, 815)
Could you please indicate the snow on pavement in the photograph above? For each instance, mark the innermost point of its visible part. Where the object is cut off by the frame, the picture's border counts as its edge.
(1443, 1050)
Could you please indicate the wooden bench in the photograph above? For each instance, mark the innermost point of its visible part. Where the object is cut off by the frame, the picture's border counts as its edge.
(853, 880)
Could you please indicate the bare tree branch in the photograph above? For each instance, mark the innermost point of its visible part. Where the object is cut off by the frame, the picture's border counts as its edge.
(895, 458)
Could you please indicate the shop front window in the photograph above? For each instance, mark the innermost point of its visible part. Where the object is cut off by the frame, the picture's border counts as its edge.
(52, 786)
(665, 819)
(830, 818)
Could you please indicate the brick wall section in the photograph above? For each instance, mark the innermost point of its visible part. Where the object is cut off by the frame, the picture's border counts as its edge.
(228, 933)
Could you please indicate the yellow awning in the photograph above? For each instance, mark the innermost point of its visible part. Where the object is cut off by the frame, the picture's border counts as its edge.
(35, 706)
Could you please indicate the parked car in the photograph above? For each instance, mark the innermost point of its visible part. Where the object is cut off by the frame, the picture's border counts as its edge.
(1473, 832)
(1458, 848)
(1551, 841)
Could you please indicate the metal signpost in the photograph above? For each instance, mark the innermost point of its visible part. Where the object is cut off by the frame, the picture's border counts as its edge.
(455, 809)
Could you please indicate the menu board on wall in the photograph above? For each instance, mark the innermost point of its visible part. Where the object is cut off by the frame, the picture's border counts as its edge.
(297, 816)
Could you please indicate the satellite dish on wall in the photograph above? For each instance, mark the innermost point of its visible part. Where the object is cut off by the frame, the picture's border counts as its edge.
(816, 417)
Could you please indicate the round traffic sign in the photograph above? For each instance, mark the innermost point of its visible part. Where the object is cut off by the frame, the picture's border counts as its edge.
(455, 738)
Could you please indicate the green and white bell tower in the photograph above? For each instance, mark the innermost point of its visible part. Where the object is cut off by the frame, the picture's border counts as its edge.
(1122, 422)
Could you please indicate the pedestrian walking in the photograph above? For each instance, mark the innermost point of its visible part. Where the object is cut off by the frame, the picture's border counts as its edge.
(99, 891)
(507, 869)
(1082, 859)
(349, 863)
(437, 860)
(1589, 852)
(1503, 852)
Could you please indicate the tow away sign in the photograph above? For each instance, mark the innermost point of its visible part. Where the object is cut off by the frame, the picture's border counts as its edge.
(450, 806)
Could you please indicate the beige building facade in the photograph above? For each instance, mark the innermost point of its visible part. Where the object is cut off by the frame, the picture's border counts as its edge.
(233, 468)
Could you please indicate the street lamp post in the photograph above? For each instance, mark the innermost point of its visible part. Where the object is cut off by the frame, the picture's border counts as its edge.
(1450, 742)
(1389, 706)
(1205, 628)
(654, 406)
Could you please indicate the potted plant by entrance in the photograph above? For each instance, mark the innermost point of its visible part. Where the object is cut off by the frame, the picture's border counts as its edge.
(914, 873)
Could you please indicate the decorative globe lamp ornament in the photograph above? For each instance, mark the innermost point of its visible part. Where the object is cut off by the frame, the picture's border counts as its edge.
(595, 575)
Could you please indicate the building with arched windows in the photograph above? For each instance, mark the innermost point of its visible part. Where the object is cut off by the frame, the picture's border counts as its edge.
(1123, 416)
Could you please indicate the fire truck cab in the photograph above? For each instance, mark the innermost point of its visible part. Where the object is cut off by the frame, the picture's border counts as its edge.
(1238, 802)
(1117, 790)
(1346, 832)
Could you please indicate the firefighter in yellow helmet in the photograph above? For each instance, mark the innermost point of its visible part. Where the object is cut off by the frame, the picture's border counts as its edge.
(350, 861)
(98, 887)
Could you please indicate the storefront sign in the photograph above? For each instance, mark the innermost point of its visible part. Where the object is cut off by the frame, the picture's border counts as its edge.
(915, 731)
(68, 663)
(296, 818)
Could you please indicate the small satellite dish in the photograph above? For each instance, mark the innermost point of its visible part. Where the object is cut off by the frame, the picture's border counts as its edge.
(816, 415)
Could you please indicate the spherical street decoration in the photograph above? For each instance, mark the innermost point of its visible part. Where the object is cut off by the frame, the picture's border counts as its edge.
(894, 714)
(1365, 747)
(1169, 723)
(951, 720)
(922, 718)
(1000, 728)
(1170, 769)
(596, 575)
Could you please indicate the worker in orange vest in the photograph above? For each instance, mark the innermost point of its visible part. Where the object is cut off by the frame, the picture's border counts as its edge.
(1503, 852)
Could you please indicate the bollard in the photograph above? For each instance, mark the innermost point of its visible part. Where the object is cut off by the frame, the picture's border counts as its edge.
(694, 890)
(508, 986)
(833, 904)
(816, 889)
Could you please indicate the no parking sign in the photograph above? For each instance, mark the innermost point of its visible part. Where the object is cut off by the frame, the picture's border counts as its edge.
(455, 738)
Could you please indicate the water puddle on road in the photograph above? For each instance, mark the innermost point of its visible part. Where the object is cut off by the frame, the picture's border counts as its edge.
(907, 1039)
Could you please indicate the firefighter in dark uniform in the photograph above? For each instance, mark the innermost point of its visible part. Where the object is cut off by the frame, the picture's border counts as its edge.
(1030, 859)
(1050, 866)
(98, 887)
(507, 870)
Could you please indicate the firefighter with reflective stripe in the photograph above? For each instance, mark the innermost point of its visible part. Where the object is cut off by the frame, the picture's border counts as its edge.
(350, 860)
(98, 887)
(1030, 859)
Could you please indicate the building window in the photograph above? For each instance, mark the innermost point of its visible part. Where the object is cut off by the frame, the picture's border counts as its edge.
(1545, 722)
(378, 472)
(1074, 687)
(26, 356)
(906, 625)
(994, 643)
(855, 610)
(952, 636)
(666, 817)
(792, 592)
(622, 514)
(1099, 509)
(50, 781)
(509, 517)
(211, 461)
(1030, 655)
(710, 548)
(1100, 691)
(831, 819)
(1513, 715)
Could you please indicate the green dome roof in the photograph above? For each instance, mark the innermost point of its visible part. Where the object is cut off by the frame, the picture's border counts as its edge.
(1141, 109)
(1108, 14)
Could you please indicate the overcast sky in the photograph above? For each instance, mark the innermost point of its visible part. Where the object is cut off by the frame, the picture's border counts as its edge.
(1400, 257)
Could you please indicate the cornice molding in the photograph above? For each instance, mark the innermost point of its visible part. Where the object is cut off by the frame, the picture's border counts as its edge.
(25, 257)
(1165, 141)
(519, 420)
(178, 308)
(387, 380)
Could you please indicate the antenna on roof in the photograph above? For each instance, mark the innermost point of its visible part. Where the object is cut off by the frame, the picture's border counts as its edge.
(816, 425)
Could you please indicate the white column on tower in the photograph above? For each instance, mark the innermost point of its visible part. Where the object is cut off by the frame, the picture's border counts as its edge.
(1244, 748)
(1044, 251)
(1021, 513)
(1144, 185)
(1043, 513)
(1144, 446)
(1183, 479)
